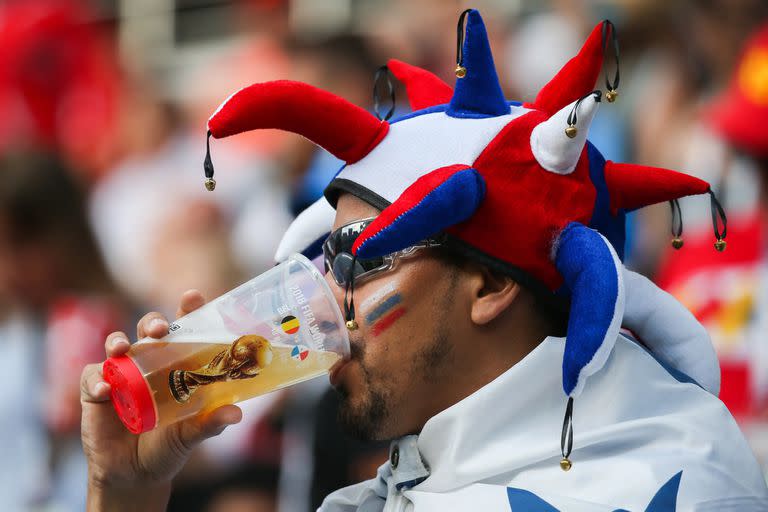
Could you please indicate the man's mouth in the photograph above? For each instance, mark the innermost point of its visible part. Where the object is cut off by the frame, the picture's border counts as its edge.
(336, 371)
(334, 375)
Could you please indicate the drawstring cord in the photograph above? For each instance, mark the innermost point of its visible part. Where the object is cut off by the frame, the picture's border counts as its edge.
(210, 183)
(571, 130)
(381, 73)
(566, 438)
(677, 224)
(718, 214)
(611, 86)
(349, 297)
(460, 70)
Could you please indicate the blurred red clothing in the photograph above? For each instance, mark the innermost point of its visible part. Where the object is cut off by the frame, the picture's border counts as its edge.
(75, 334)
(739, 114)
(59, 81)
(723, 290)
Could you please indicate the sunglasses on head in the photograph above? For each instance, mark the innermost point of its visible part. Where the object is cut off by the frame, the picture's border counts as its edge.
(337, 253)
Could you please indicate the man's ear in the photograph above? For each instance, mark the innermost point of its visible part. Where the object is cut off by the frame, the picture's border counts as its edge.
(492, 295)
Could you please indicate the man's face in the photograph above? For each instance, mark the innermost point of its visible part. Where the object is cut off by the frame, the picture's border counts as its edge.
(403, 353)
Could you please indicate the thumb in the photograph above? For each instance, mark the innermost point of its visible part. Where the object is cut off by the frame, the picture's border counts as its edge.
(199, 428)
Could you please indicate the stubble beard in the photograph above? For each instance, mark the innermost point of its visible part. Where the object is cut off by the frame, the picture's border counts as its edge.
(364, 420)
(371, 418)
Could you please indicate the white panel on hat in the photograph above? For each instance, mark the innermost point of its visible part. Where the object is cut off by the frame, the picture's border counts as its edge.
(310, 225)
(554, 150)
(416, 146)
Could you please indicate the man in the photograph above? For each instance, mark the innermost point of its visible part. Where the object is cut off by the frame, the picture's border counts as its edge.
(461, 233)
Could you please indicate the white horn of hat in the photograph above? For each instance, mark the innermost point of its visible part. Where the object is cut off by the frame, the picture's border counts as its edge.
(312, 224)
(558, 141)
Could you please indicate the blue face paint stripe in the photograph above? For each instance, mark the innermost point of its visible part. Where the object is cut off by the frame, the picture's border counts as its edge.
(383, 308)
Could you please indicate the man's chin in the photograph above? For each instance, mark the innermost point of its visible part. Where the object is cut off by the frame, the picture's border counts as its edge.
(362, 419)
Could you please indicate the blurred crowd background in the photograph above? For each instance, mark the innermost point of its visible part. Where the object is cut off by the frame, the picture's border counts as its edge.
(104, 216)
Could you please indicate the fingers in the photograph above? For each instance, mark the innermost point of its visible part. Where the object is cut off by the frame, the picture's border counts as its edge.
(153, 325)
(92, 385)
(196, 430)
(190, 301)
(117, 344)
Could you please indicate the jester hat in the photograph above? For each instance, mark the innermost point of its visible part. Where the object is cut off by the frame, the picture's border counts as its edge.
(516, 186)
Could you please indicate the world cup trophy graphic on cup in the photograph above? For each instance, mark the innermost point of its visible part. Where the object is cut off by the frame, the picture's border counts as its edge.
(244, 359)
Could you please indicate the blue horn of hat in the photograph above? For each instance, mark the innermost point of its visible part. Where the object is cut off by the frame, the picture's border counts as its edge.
(477, 93)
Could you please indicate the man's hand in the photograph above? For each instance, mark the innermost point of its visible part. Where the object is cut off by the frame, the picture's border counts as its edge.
(133, 472)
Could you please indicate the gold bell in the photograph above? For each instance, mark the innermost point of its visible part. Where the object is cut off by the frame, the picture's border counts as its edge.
(677, 242)
(210, 184)
(461, 71)
(352, 325)
(565, 464)
(611, 95)
(720, 245)
(571, 131)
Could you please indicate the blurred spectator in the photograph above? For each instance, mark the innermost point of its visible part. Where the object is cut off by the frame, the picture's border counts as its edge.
(539, 45)
(728, 292)
(140, 140)
(59, 306)
(675, 56)
(59, 84)
(344, 65)
(162, 232)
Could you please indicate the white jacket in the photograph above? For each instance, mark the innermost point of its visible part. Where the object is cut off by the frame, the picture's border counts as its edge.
(646, 438)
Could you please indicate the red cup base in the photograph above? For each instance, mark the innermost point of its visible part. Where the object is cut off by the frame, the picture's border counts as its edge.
(131, 395)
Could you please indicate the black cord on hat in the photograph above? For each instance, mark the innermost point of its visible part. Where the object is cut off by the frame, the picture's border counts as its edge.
(566, 438)
(349, 297)
(718, 213)
(677, 224)
(612, 87)
(210, 183)
(571, 129)
(383, 73)
(460, 70)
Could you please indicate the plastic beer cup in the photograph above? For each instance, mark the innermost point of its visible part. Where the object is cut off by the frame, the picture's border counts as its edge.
(278, 329)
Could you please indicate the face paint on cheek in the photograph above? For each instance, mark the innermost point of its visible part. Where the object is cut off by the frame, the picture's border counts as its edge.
(377, 296)
(384, 307)
(386, 321)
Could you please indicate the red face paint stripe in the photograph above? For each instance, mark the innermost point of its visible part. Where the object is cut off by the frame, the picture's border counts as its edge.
(387, 321)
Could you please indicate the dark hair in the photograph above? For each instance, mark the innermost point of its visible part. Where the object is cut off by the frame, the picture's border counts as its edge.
(552, 310)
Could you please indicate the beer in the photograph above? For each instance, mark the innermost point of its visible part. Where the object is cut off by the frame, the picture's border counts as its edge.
(285, 366)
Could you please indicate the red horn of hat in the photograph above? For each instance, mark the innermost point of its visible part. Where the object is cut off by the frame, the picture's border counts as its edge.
(632, 186)
(424, 89)
(341, 128)
(578, 76)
